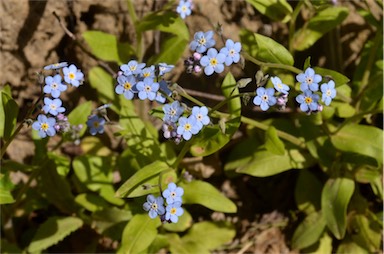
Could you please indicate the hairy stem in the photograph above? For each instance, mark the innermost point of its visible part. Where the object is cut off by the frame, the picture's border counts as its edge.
(271, 65)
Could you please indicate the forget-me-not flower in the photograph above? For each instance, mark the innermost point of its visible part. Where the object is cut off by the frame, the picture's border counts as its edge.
(73, 76)
(213, 62)
(172, 112)
(173, 193)
(202, 41)
(184, 9)
(264, 98)
(231, 52)
(53, 107)
(309, 80)
(187, 127)
(308, 101)
(329, 92)
(154, 206)
(54, 86)
(56, 66)
(165, 68)
(147, 89)
(95, 124)
(173, 212)
(45, 126)
(201, 115)
(279, 86)
(132, 68)
(126, 86)
(148, 72)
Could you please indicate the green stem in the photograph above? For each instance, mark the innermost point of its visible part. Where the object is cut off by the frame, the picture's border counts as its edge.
(222, 103)
(271, 65)
(292, 25)
(182, 153)
(139, 36)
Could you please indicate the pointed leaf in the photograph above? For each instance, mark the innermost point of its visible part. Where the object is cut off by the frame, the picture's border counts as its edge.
(171, 49)
(277, 10)
(273, 142)
(8, 115)
(308, 192)
(309, 231)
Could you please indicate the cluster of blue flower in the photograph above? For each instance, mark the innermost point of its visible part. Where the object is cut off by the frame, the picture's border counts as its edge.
(177, 126)
(208, 57)
(172, 211)
(47, 125)
(184, 8)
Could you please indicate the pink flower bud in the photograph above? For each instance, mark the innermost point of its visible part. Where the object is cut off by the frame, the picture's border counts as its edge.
(196, 56)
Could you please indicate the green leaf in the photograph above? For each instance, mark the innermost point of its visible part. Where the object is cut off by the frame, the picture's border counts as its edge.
(349, 246)
(106, 47)
(360, 139)
(309, 231)
(93, 171)
(91, 202)
(6, 187)
(337, 77)
(203, 193)
(168, 22)
(185, 221)
(103, 82)
(80, 115)
(219, 234)
(366, 232)
(264, 163)
(141, 177)
(171, 50)
(52, 231)
(62, 163)
(264, 48)
(138, 234)
(160, 242)
(308, 192)
(273, 142)
(277, 10)
(8, 115)
(343, 110)
(324, 246)
(323, 22)
(334, 203)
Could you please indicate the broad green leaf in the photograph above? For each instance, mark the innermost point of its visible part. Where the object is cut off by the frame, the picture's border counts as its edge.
(52, 231)
(62, 163)
(308, 192)
(203, 193)
(309, 231)
(349, 246)
(273, 142)
(6, 187)
(138, 234)
(93, 171)
(91, 202)
(334, 203)
(80, 115)
(180, 247)
(212, 139)
(168, 22)
(108, 220)
(366, 232)
(8, 115)
(323, 22)
(106, 47)
(93, 145)
(160, 242)
(277, 10)
(265, 163)
(219, 233)
(108, 193)
(264, 48)
(361, 139)
(343, 110)
(337, 77)
(171, 49)
(184, 222)
(324, 246)
(141, 177)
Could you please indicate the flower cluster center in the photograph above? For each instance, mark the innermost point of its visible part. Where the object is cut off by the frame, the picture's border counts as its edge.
(127, 86)
(308, 100)
(44, 126)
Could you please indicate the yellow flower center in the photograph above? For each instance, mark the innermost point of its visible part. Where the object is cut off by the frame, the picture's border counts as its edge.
(127, 86)
(71, 75)
(202, 41)
(184, 8)
(146, 74)
(280, 86)
(187, 127)
(44, 126)
(173, 210)
(308, 100)
(53, 106)
(213, 61)
(172, 112)
(132, 67)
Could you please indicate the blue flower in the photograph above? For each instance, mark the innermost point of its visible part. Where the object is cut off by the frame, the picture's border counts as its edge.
(126, 86)
(54, 86)
(184, 9)
(201, 116)
(53, 107)
(154, 206)
(264, 98)
(73, 76)
(173, 193)
(45, 125)
(202, 41)
(173, 212)
(95, 124)
(279, 86)
(231, 52)
(213, 62)
(148, 72)
(172, 112)
(308, 101)
(147, 89)
(169, 130)
(329, 92)
(164, 68)
(56, 66)
(309, 80)
(132, 68)
(187, 127)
